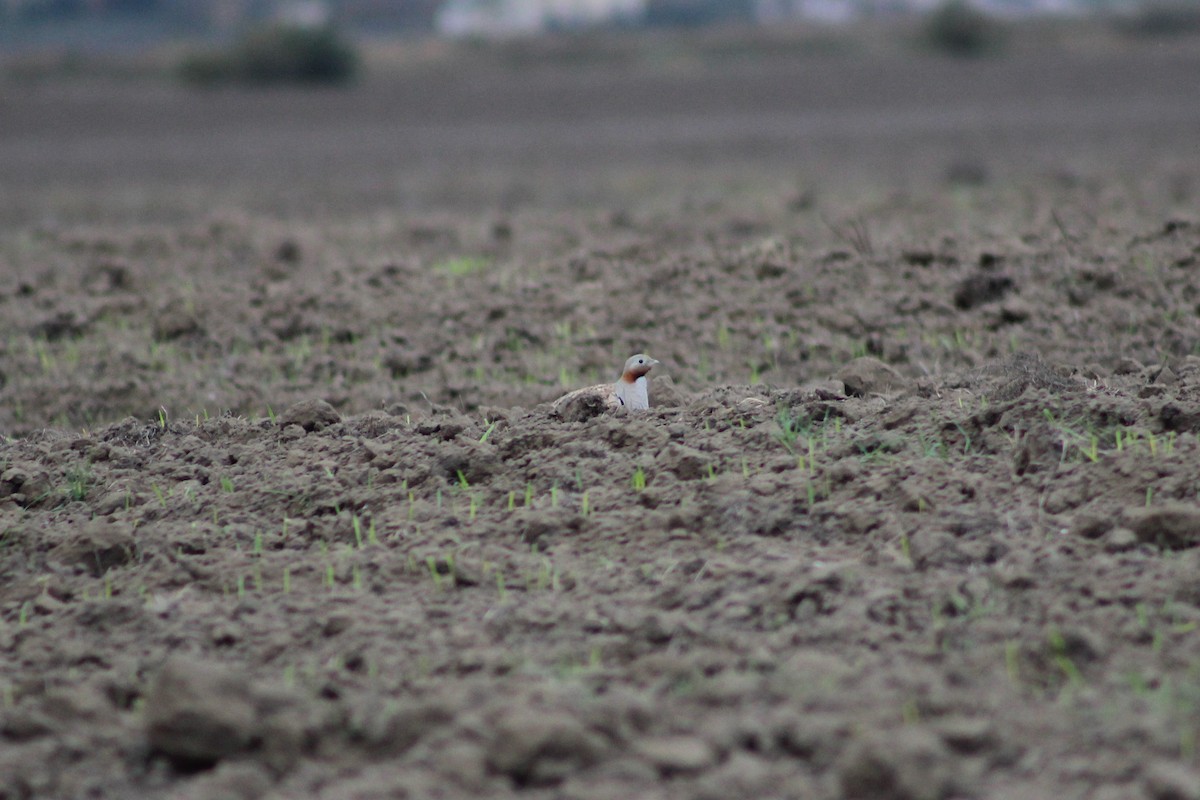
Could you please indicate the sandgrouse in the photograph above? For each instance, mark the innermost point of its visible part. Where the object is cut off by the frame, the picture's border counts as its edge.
(630, 391)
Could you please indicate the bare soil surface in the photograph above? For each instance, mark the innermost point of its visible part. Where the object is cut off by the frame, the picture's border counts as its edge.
(284, 511)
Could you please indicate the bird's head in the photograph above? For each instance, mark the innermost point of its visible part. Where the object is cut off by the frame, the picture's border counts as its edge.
(637, 366)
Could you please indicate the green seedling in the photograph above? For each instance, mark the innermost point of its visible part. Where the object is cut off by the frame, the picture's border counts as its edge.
(1058, 651)
(723, 338)
(585, 505)
(639, 480)
(226, 484)
(357, 525)
(461, 266)
(528, 494)
(79, 480)
(1012, 662)
(491, 427)
(512, 500)
(789, 431)
(434, 574)
(330, 577)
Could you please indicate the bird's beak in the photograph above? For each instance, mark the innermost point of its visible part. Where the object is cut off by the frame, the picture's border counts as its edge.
(654, 362)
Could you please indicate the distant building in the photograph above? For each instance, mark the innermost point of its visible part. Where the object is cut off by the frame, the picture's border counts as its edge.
(461, 18)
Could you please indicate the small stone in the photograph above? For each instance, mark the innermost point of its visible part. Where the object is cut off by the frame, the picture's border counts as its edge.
(311, 415)
(1120, 540)
(672, 755)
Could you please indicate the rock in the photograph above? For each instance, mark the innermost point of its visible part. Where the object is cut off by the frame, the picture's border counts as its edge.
(198, 713)
(672, 755)
(867, 375)
(909, 764)
(537, 748)
(1173, 525)
(311, 415)
(1120, 540)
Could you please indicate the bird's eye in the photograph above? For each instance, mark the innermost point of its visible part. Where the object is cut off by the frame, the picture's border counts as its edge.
(641, 361)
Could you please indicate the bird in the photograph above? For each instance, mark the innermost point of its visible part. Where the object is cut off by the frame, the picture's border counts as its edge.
(631, 391)
(632, 388)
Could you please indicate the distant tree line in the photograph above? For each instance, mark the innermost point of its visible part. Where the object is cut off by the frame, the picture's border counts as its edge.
(415, 15)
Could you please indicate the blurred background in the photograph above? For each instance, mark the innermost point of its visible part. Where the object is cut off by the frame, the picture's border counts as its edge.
(145, 110)
(130, 23)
